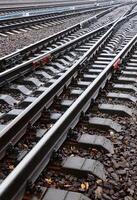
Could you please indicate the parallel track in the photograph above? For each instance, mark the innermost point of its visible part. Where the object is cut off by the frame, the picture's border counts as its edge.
(66, 9)
(49, 45)
(57, 110)
(50, 5)
(50, 72)
(17, 23)
(13, 25)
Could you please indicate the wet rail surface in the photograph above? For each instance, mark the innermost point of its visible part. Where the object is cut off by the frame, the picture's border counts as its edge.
(77, 108)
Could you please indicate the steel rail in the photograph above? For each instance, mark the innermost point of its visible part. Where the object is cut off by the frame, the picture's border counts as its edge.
(21, 53)
(32, 165)
(44, 100)
(10, 132)
(132, 8)
(15, 72)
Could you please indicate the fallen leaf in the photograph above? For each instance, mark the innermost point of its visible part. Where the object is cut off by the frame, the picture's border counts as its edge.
(85, 186)
(49, 181)
(82, 186)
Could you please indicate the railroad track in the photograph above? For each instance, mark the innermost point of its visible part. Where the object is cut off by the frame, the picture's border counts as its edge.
(33, 7)
(39, 10)
(66, 9)
(17, 24)
(44, 47)
(35, 83)
(28, 142)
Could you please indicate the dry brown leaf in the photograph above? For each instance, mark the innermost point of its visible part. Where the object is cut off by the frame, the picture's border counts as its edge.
(98, 192)
(82, 186)
(49, 181)
(85, 186)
